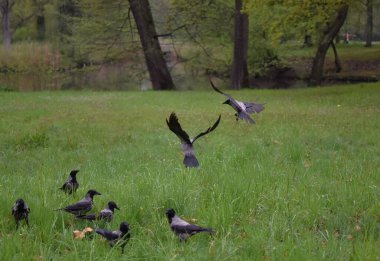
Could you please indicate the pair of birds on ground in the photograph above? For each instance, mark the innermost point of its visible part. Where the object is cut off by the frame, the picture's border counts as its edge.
(243, 109)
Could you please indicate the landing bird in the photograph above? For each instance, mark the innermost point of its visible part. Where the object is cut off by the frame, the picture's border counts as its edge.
(243, 109)
(114, 237)
(187, 144)
(82, 206)
(182, 228)
(71, 185)
(106, 214)
(20, 210)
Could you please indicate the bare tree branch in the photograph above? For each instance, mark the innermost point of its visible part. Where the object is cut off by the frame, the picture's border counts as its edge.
(170, 33)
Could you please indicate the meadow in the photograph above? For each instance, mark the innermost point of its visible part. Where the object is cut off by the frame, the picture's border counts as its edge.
(303, 183)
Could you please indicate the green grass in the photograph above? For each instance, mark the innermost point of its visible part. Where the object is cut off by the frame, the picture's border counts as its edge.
(301, 184)
(352, 51)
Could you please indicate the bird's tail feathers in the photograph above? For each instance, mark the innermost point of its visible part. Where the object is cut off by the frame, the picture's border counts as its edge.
(207, 230)
(244, 116)
(210, 230)
(87, 217)
(190, 161)
(101, 231)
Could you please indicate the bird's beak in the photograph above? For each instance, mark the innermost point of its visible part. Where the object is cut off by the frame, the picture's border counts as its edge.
(226, 102)
(117, 208)
(97, 193)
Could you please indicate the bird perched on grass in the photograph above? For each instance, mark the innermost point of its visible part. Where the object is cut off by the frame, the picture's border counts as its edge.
(82, 206)
(182, 228)
(118, 237)
(106, 214)
(243, 109)
(71, 185)
(20, 211)
(187, 144)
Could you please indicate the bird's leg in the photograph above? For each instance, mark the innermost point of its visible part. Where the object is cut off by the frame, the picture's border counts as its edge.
(27, 221)
(237, 116)
(17, 224)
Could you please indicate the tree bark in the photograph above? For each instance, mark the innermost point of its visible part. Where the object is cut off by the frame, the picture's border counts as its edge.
(6, 7)
(329, 33)
(158, 70)
(369, 24)
(338, 65)
(41, 28)
(239, 72)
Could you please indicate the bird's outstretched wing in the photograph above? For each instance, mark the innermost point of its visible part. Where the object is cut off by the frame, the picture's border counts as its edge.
(252, 107)
(217, 90)
(175, 127)
(234, 104)
(208, 130)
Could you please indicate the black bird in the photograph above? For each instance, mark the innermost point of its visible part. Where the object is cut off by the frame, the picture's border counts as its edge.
(106, 214)
(82, 206)
(243, 109)
(182, 228)
(114, 237)
(20, 210)
(187, 144)
(71, 185)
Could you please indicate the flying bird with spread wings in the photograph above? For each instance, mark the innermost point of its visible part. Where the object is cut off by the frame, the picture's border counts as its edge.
(187, 144)
(243, 109)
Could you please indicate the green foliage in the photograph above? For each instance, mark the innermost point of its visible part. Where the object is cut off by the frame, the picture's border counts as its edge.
(300, 184)
(97, 31)
(208, 36)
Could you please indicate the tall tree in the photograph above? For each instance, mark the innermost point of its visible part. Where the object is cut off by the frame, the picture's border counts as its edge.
(158, 70)
(369, 23)
(6, 8)
(329, 33)
(239, 72)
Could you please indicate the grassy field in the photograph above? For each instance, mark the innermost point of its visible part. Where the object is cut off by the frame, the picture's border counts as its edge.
(301, 184)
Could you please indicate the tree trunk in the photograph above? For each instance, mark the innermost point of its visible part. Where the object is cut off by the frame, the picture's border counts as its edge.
(40, 23)
(239, 73)
(338, 65)
(6, 7)
(369, 24)
(158, 70)
(329, 33)
(40, 27)
(307, 42)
